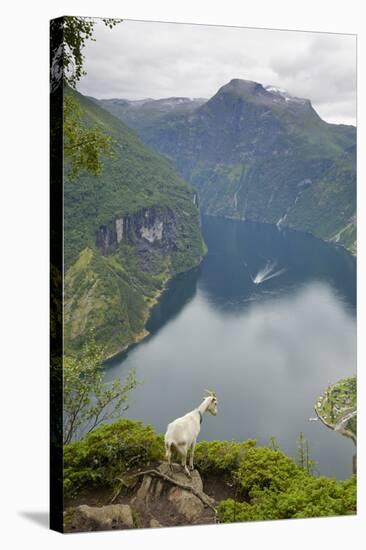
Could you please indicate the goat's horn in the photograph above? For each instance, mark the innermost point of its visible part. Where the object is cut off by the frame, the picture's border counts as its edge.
(211, 393)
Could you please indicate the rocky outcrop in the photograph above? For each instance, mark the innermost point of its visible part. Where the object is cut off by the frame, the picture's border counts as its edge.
(149, 230)
(154, 523)
(93, 518)
(173, 498)
(337, 410)
(159, 497)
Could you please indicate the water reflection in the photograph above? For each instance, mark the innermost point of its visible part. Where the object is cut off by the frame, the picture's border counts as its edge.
(181, 291)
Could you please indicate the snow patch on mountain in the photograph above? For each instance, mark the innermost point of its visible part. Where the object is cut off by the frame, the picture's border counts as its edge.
(284, 94)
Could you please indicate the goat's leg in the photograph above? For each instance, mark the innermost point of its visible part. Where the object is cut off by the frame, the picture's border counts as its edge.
(183, 452)
(193, 446)
(168, 455)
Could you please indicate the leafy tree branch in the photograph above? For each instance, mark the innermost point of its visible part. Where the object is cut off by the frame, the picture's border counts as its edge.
(77, 31)
(88, 400)
(84, 147)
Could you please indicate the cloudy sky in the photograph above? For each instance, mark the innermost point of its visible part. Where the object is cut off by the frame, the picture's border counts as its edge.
(140, 59)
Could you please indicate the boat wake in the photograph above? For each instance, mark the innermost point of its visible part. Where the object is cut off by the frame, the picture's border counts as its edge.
(267, 272)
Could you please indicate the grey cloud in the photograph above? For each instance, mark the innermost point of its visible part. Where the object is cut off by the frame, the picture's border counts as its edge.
(144, 59)
(325, 72)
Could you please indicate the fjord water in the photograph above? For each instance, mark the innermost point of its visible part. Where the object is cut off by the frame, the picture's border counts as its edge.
(267, 321)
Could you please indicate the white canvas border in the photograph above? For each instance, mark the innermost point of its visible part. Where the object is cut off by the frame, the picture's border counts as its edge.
(24, 216)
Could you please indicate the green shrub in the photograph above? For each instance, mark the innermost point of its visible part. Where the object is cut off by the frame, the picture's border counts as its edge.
(264, 468)
(221, 457)
(107, 452)
(305, 497)
(324, 496)
(231, 511)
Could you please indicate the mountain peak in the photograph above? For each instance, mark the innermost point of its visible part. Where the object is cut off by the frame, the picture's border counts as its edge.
(258, 94)
(240, 86)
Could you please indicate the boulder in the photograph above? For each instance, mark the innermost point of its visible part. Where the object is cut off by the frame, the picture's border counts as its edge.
(169, 501)
(154, 523)
(186, 503)
(92, 518)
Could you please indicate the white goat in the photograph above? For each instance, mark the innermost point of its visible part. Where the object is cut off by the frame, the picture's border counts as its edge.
(182, 433)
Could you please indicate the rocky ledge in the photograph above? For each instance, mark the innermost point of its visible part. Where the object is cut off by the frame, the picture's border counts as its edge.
(160, 497)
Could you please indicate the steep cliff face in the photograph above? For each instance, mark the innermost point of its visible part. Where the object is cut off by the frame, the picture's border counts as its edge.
(258, 153)
(153, 228)
(126, 232)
